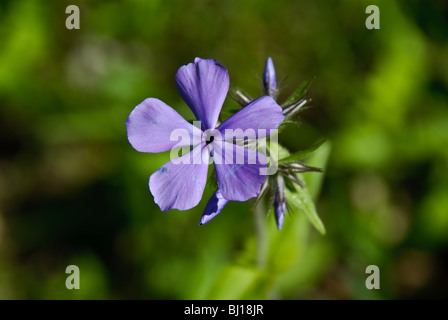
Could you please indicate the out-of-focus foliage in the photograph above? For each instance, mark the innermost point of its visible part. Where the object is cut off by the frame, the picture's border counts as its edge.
(73, 190)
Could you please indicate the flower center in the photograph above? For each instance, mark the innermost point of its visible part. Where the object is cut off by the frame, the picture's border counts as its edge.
(210, 135)
(210, 140)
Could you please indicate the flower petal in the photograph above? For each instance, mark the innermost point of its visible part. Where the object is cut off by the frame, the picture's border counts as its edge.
(179, 183)
(203, 85)
(269, 79)
(279, 211)
(213, 207)
(279, 200)
(238, 171)
(263, 113)
(152, 123)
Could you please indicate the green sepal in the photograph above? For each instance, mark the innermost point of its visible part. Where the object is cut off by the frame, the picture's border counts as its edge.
(298, 94)
(239, 96)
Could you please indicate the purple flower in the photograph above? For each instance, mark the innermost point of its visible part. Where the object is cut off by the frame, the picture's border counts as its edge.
(179, 184)
(214, 206)
(269, 79)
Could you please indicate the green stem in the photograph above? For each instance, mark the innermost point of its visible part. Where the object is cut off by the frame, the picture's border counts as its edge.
(260, 227)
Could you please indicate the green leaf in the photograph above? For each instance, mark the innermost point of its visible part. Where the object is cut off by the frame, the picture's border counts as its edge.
(302, 201)
(317, 159)
(298, 94)
(304, 153)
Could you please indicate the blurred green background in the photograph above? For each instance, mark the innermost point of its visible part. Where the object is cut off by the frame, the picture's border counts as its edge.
(73, 190)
